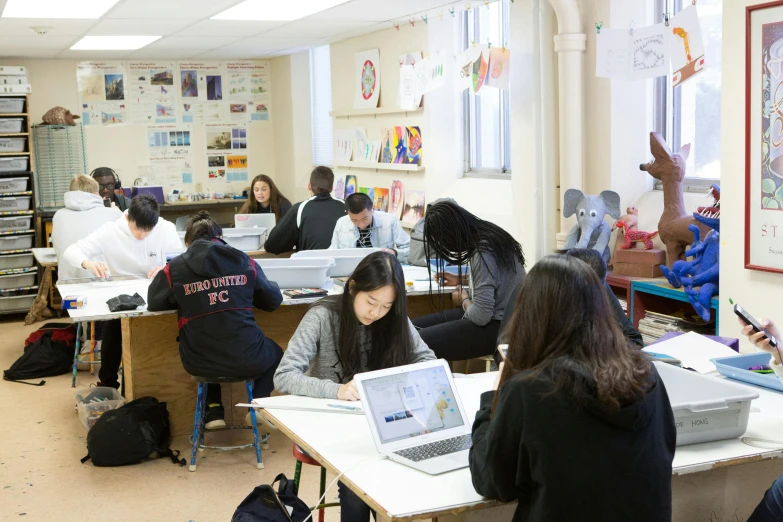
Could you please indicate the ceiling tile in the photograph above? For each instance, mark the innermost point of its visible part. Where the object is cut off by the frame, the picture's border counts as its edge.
(316, 29)
(172, 9)
(191, 42)
(36, 42)
(93, 55)
(58, 27)
(28, 53)
(374, 10)
(228, 28)
(139, 27)
(163, 54)
(224, 54)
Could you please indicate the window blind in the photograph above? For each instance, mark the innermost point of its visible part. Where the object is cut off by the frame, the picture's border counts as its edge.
(321, 105)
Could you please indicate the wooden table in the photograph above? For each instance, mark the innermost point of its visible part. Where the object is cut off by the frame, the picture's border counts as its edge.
(47, 258)
(150, 358)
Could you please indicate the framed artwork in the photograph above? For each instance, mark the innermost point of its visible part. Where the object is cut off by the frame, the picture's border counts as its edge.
(764, 137)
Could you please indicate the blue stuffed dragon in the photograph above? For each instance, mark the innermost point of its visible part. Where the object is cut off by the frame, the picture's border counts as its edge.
(703, 270)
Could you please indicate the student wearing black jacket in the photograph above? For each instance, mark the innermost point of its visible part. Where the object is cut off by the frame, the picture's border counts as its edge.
(309, 224)
(580, 427)
(214, 288)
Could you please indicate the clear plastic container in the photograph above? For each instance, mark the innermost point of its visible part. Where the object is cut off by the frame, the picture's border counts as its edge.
(20, 242)
(17, 280)
(12, 144)
(12, 223)
(346, 259)
(298, 273)
(11, 105)
(16, 302)
(91, 403)
(15, 203)
(15, 164)
(10, 261)
(9, 125)
(706, 408)
(245, 239)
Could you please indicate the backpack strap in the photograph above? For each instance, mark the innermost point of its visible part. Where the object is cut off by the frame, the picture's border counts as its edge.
(172, 454)
(41, 383)
(85, 459)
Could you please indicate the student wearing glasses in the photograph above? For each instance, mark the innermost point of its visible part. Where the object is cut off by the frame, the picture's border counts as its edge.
(108, 183)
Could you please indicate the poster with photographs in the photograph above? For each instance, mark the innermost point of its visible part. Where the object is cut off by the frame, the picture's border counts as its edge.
(201, 91)
(151, 93)
(248, 88)
(170, 154)
(101, 87)
(227, 159)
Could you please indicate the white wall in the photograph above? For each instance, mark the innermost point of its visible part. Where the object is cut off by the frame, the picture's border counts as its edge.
(125, 148)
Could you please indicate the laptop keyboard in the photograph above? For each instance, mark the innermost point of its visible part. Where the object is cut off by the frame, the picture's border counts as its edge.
(436, 449)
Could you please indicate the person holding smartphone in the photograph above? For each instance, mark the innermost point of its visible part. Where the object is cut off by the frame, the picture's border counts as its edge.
(364, 329)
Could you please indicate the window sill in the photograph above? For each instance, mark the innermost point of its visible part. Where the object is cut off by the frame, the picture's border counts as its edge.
(696, 185)
(487, 174)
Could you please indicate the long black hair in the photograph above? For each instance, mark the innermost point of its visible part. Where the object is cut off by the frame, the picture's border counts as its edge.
(390, 336)
(453, 235)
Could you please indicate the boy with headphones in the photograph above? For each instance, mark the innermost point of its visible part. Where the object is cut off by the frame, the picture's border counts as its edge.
(108, 182)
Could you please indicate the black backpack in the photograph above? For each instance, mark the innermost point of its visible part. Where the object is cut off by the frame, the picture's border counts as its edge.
(44, 357)
(131, 434)
(266, 505)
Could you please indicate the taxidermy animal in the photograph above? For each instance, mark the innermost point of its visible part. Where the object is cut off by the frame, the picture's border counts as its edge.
(635, 236)
(591, 231)
(675, 222)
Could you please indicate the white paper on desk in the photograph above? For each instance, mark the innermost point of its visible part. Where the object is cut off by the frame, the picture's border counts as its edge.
(297, 403)
(416, 273)
(694, 350)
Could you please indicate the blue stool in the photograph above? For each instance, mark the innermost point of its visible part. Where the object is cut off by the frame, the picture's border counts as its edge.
(197, 439)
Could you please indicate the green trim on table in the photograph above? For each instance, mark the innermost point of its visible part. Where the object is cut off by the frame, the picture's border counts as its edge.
(663, 289)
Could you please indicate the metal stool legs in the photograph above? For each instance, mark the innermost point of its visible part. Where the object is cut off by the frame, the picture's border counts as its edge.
(198, 423)
(76, 351)
(259, 464)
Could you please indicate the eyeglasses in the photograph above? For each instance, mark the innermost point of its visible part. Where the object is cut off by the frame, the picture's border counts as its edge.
(107, 186)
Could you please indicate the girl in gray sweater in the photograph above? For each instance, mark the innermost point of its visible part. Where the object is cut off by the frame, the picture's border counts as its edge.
(367, 328)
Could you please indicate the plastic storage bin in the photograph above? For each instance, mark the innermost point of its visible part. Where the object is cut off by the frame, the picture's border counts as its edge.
(245, 239)
(91, 403)
(705, 408)
(10, 261)
(12, 144)
(12, 223)
(15, 203)
(11, 105)
(737, 368)
(17, 280)
(16, 302)
(345, 259)
(15, 164)
(9, 125)
(298, 273)
(20, 242)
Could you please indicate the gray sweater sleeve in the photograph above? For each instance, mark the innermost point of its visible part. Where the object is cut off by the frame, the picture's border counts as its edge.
(483, 308)
(313, 340)
(421, 352)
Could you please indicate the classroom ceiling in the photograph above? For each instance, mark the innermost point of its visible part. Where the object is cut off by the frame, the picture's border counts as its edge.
(188, 32)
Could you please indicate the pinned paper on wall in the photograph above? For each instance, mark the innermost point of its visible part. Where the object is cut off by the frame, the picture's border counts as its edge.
(422, 75)
(410, 59)
(480, 67)
(400, 143)
(339, 186)
(367, 79)
(414, 207)
(350, 185)
(361, 144)
(388, 152)
(414, 146)
(396, 201)
(344, 149)
(381, 199)
(437, 71)
(372, 151)
(687, 46)
(612, 53)
(634, 55)
(407, 88)
(463, 72)
(369, 191)
(499, 68)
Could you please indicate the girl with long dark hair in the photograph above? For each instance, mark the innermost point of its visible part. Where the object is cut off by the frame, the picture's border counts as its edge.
(452, 235)
(265, 198)
(580, 426)
(366, 328)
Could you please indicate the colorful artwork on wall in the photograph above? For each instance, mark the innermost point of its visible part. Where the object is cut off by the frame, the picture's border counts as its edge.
(350, 185)
(368, 79)
(396, 203)
(381, 199)
(400, 141)
(388, 150)
(414, 207)
(414, 146)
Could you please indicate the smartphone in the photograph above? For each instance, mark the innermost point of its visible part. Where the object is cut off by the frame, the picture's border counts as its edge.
(503, 350)
(749, 319)
(107, 203)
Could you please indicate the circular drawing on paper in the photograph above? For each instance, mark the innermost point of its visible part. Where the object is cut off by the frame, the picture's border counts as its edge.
(369, 80)
(497, 69)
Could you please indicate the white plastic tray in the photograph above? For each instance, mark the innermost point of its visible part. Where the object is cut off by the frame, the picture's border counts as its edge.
(11, 223)
(346, 259)
(9, 125)
(12, 144)
(20, 242)
(10, 261)
(705, 408)
(16, 302)
(298, 273)
(17, 280)
(245, 239)
(15, 203)
(15, 164)
(11, 105)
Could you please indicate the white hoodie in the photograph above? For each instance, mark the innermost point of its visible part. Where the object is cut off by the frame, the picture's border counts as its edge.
(125, 254)
(83, 214)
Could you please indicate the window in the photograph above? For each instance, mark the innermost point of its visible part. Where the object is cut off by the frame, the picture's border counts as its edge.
(487, 121)
(690, 113)
(321, 106)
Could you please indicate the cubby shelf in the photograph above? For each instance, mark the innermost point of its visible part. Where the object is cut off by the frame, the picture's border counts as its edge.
(380, 111)
(379, 166)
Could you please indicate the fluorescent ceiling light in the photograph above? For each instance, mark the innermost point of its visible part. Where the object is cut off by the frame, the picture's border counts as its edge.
(57, 8)
(276, 10)
(113, 43)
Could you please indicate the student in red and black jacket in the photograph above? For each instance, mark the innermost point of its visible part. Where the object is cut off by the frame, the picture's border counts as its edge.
(214, 288)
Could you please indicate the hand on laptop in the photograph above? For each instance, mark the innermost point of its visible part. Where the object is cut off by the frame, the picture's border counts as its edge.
(99, 268)
(348, 392)
(497, 377)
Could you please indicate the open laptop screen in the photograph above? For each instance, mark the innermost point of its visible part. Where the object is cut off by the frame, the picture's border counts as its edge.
(412, 403)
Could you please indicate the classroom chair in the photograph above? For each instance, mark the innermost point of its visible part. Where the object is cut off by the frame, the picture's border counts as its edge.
(303, 458)
(197, 439)
(77, 351)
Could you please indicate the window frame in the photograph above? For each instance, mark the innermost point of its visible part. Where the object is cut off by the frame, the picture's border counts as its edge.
(315, 84)
(472, 139)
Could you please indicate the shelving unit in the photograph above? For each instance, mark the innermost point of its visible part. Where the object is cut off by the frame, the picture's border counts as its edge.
(380, 111)
(379, 166)
(18, 300)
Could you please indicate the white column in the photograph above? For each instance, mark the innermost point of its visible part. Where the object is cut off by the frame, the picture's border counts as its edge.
(570, 49)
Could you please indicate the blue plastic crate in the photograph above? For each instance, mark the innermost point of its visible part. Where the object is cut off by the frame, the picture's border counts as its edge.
(737, 368)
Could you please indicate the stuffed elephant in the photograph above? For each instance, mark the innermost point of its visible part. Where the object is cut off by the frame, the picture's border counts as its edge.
(591, 231)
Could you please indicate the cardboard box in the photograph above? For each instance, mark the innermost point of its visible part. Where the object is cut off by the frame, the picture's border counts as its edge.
(71, 302)
(632, 270)
(637, 256)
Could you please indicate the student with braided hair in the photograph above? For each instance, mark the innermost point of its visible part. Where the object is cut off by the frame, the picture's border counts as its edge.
(496, 264)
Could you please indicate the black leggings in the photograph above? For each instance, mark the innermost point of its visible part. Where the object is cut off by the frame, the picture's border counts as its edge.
(456, 339)
(111, 353)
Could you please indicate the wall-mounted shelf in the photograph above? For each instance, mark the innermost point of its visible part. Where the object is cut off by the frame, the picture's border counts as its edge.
(379, 166)
(380, 111)
(13, 134)
(13, 114)
(14, 153)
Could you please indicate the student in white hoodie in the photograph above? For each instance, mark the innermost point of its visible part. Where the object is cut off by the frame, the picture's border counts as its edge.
(84, 213)
(135, 244)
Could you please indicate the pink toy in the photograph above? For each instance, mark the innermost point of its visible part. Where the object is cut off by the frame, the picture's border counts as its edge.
(636, 236)
(631, 218)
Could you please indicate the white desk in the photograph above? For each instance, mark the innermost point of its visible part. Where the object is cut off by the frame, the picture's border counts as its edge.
(45, 256)
(340, 442)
